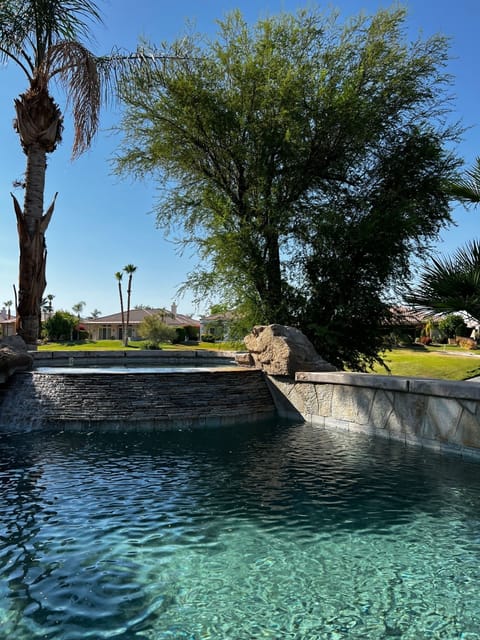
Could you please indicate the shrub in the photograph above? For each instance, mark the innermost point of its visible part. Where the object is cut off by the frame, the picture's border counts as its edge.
(180, 334)
(152, 345)
(60, 326)
(425, 340)
(192, 332)
(452, 326)
(153, 329)
(466, 343)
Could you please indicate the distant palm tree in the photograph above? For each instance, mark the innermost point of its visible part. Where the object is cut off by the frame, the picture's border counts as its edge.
(78, 308)
(451, 284)
(8, 304)
(43, 39)
(119, 276)
(467, 190)
(130, 269)
(95, 313)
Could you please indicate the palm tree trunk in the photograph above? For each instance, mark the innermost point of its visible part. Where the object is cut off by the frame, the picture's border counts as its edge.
(31, 226)
(121, 308)
(129, 292)
(39, 125)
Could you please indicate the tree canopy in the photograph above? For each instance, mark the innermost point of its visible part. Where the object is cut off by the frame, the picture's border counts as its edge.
(305, 160)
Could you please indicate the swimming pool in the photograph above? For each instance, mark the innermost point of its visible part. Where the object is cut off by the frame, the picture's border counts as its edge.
(273, 532)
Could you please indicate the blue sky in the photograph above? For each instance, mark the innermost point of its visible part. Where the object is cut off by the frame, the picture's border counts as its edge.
(101, 222)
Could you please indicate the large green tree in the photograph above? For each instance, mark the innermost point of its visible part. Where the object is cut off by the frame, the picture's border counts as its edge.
(44, 39)
(305, 160)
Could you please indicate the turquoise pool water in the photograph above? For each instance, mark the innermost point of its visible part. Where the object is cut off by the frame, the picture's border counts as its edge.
(248, 533)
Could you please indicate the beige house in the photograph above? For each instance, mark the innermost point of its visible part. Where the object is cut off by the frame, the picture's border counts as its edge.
(110, 327)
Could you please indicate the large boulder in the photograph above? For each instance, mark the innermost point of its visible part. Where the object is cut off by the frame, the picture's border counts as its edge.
(282, 351)
(13, 357)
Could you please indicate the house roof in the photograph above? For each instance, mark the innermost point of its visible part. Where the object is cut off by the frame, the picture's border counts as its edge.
(407, 316)
(413, 316)
(138, 315)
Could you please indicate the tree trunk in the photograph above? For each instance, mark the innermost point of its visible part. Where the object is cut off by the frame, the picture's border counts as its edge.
(121, 308)
(31, 225)
(39, 125)
(129, 292)
(275, 306)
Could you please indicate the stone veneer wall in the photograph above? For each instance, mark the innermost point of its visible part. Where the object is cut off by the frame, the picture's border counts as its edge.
(433, 413)
(122, 401)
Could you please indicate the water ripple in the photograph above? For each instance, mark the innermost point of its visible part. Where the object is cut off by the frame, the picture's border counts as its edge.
(276, 533)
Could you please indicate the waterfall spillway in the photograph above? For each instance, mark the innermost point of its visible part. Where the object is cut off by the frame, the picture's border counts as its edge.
(108, 401)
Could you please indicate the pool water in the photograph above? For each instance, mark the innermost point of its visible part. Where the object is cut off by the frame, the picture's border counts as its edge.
(247, 533)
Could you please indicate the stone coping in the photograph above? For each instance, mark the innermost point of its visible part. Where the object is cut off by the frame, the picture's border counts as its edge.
(135, 356)
(465, 390)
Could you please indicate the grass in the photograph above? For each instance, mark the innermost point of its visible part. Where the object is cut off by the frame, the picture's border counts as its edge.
(432, 362)
(117, 345)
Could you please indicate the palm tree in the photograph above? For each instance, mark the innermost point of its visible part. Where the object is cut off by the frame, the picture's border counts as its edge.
(130, 269)
(78, 308)
(40, 36)
(43, 39)
(451, 284)
(119, 276)
(467, 189)
(8, 304)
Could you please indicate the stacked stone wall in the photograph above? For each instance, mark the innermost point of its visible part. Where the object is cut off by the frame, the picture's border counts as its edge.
(104, 401)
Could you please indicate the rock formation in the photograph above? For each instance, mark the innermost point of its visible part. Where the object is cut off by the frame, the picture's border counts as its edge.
(13, 357)
(282, 351)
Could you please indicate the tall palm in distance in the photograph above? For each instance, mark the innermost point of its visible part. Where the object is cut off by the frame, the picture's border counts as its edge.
(130, 270)
(8, 304)
(44, 39)
(78, 308)
(119, 276)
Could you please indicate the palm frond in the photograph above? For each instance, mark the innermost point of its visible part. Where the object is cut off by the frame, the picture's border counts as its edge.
(28, 28)
(75, 67)
(451, 283)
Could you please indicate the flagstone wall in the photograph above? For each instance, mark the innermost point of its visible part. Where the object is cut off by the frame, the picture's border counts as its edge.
(437, 414)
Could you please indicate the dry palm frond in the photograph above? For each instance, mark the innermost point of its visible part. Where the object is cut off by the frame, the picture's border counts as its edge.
(75, 67)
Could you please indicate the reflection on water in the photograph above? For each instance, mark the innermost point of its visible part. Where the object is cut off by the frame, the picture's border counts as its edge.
(73, 369)
(249, 532)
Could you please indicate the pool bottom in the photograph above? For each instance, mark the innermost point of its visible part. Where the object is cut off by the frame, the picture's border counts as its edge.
(273, 532)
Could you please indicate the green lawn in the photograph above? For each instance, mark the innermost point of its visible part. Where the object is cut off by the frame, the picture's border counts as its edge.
(117, 345)
(433, 362)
